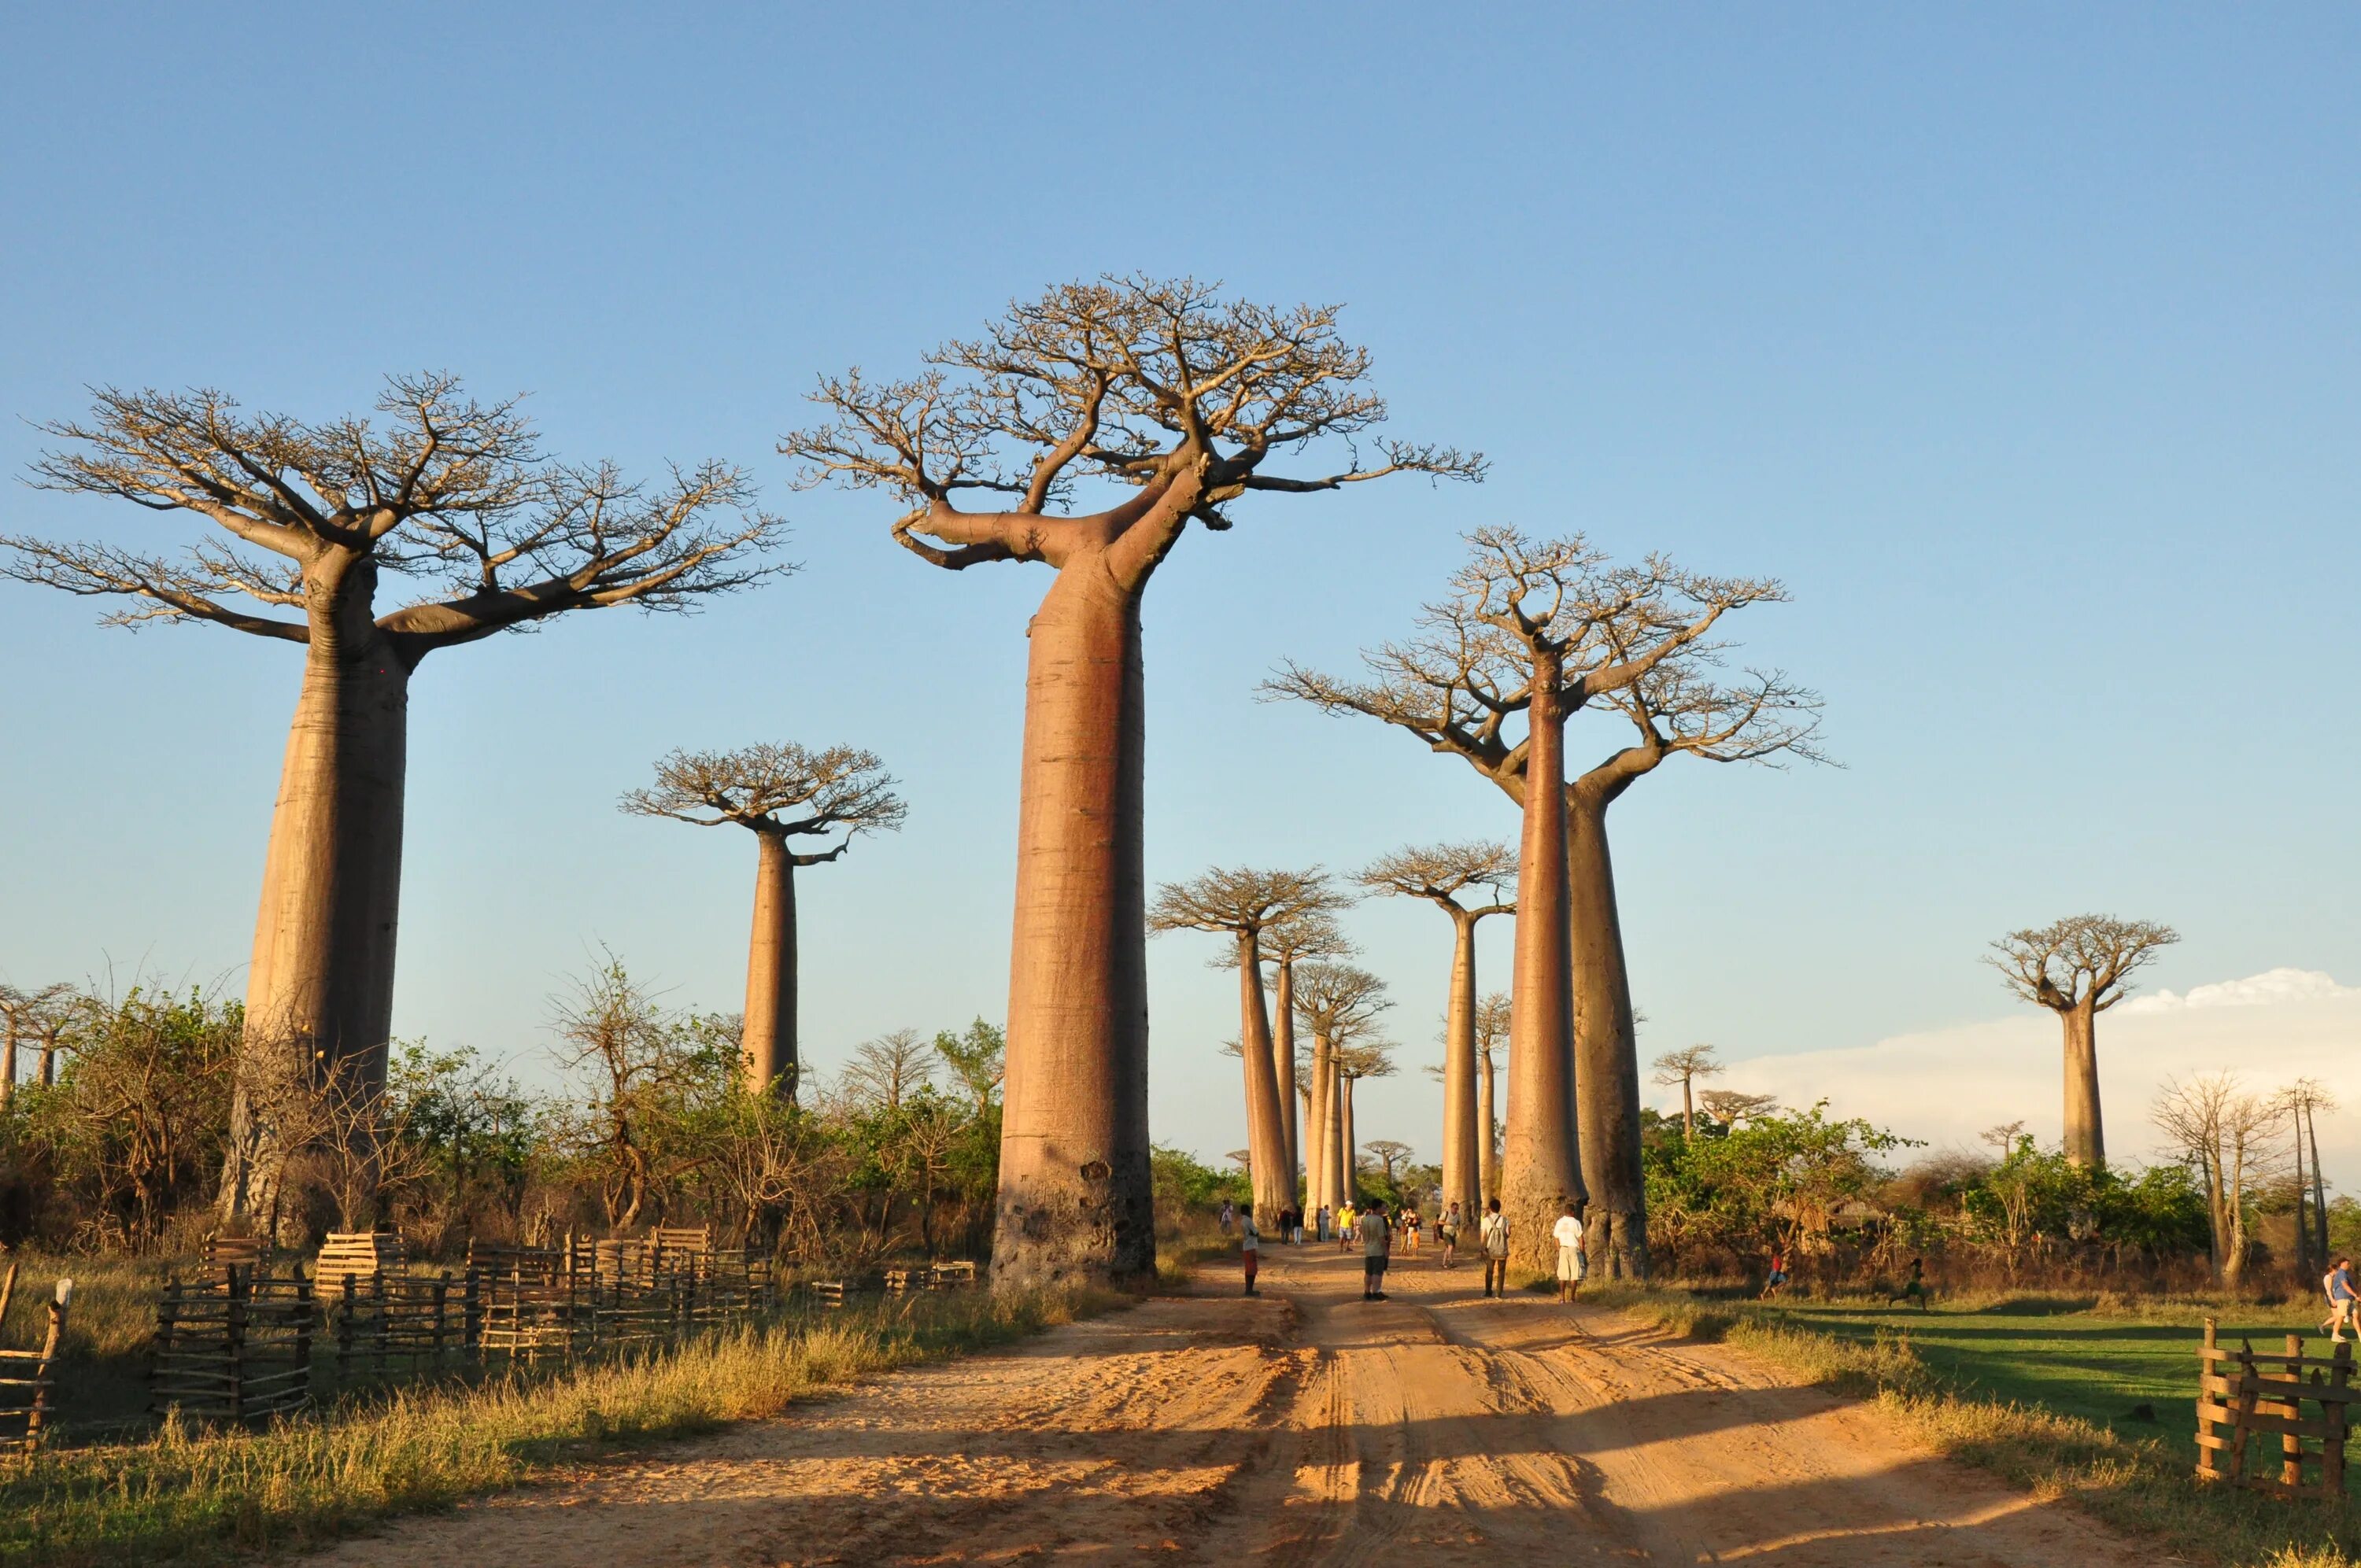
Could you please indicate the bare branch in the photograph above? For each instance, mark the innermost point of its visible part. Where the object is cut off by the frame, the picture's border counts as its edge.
(785, 789)
(2083, 959)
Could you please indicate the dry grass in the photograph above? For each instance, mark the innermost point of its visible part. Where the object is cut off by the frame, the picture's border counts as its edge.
(185, 1498)
(2135, 1485)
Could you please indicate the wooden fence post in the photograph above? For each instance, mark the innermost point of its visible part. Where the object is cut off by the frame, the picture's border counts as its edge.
(2242, 1411)
(348, 1306)
(2331, 1447)
(471, 1317)
(2291, 1441)
(233, 1339)
(442, 1304)
(43, 1369)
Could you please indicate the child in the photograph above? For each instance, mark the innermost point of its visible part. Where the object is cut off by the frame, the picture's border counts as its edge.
(1914, 1286)
(1778, 1276)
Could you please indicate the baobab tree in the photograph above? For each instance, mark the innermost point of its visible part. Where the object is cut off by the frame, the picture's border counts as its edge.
(1389, 1153)
(783, 792)
(1313, 934)
(2228, 1133)
(1684, 1067)
(1181, 397)
(2078, 967)
(1336, 1003)
(1533, 632)
(1492, 1017)
(1370, 1058)
(31, 1015)
(302, 527)
(1242, 905)
(1731, 1106)
(1441, 873)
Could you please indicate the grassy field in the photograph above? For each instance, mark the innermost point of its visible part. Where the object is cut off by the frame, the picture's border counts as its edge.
(2041, 1391)
(2067, 1354)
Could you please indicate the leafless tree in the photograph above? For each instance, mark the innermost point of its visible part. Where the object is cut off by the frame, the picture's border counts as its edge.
(889, 1069)
(1533, 631)
(1336, 1003)
(1731, 1106)
(1389, 1153)
(1684, 1067)
(300, 526)
(617, 1036)
(2306, 1097)
(1167, 390)
(1242, 905)
(783, 792)
(1442, 874)
(1492, 1018)
(2228, 1133)
(1315, 935)
(31, 1015)
(2004, 1135)
(2078, 967)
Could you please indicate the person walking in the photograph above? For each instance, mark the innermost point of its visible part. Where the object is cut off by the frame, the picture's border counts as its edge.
(1410, 1225)
(1249, 1247)
(1377, 1250)
(1571, 1265)
(1229, 1215)
(1776, 1280)
(1494, 1239)
(1913, 1287)
(2342, 1299)
(1345, 1227)
(1446, 1231)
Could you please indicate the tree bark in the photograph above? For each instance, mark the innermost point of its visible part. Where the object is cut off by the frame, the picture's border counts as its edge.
(1347, 1150)
(1463, 1178)
(1606, 1050)
(2085, 1141)
(319, 998)
(772, 1064)
(1319, 1131)
(2319, 1191)
(8, 1067)
(1075, 1199)
(1485, 1114)
(1539, 1168)
(1282, 1064)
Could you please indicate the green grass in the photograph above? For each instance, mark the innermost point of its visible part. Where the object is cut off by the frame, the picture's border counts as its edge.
(2039, 1390)
(183, 1498)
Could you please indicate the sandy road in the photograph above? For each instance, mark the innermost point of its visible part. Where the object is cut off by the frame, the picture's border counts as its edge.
(1306, 1427)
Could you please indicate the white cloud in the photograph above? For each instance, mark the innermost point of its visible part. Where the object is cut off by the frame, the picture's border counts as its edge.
(2262, 990)
(1947, 1085)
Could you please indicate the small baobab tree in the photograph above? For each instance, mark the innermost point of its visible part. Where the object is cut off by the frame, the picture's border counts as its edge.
(1731, 1106)
(303, 529)
(1391, 1154)
(1368, 1058)
(783, 792)
(1492, 1016)
(1336, 1004)
(38, 1016)
(2306, 1097)
(1242, 905)
(1311, 936)
(1684, 1067)
(1103, 417)
(1533, 632)
(2228, 1133)
(1442, 874)
(2078, 967)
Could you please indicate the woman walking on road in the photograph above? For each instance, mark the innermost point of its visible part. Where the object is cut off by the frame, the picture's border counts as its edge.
(1249, 1245)
(1377, 1248)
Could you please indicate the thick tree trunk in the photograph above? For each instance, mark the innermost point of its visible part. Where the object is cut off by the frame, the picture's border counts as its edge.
(1540, 1168)
(2319, 1189)
(1319, 1132)
(48, 1071)
(1274, 1173)
(8, 1068)
(1282, 1065)
(1463, 1178)
(2085, 1142)
(1347, 1150)
(1489, 1117)
(773, 1065)
(1075, 1200)
(1605, 1052)
(319, 997)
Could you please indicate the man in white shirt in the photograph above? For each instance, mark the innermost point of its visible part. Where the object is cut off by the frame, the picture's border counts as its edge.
(1572, 1265)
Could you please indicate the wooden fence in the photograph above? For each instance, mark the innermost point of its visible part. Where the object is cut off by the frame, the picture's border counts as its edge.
(233, 1344)
(28, 1377)
(2262, 1395)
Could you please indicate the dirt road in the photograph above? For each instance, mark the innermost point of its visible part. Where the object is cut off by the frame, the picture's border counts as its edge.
(1306, 1427)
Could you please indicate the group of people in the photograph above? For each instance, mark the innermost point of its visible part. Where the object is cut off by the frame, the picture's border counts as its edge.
(1368, 1226)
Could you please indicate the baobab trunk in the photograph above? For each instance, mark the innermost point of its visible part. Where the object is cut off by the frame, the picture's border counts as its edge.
(1345, 1146)
(1539, 1169)
(8, 1067)
(1282, 1066)
(1319, 1182)
(1074, 1189)
(1274, 1177)
(1463, 1176)
(2085, 1143)
(319, 996)
(768, 1045)
(1488, 1117)
(1606, 1053)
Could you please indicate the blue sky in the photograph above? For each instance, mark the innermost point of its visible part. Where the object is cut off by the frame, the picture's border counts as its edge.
(2020, 342)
